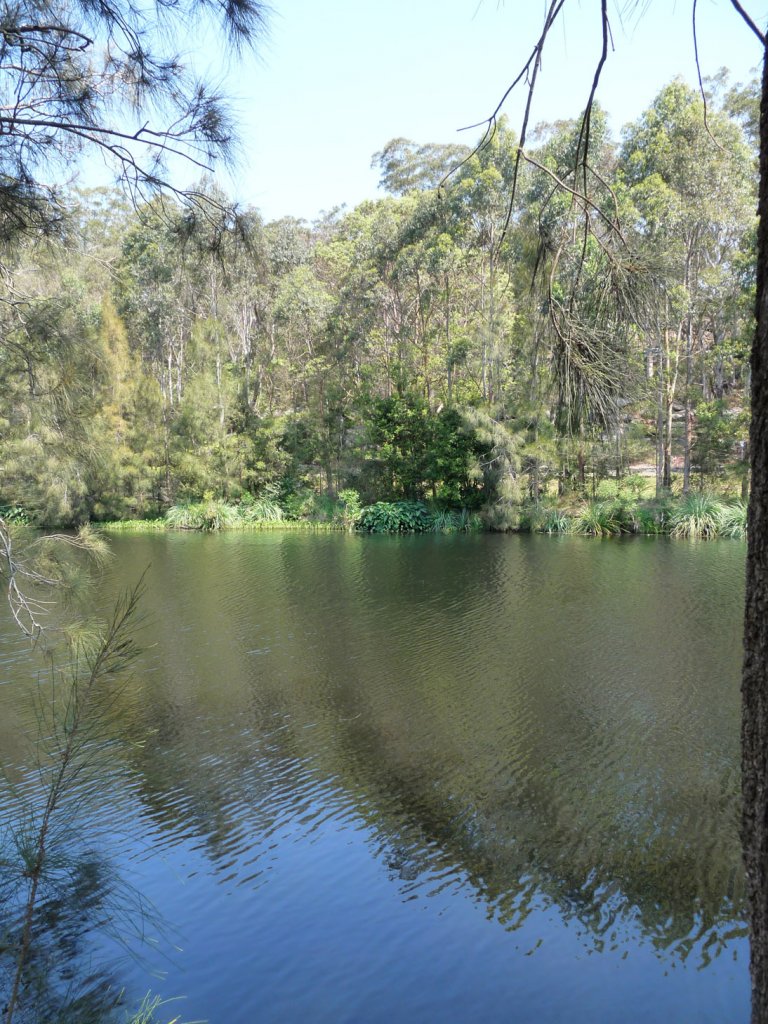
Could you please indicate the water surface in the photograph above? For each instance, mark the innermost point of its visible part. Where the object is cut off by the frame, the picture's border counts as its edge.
(430, 778)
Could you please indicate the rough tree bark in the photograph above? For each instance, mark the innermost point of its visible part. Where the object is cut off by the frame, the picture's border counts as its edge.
(754, 729)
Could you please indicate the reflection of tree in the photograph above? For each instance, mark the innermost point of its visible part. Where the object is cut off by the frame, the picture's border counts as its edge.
(469, 770)
(54, 887)
(62, 983)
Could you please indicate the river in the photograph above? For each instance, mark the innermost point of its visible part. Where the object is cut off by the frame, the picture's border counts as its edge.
(420, 779)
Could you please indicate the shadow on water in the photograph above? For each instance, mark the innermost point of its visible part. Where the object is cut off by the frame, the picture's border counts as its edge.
(526, 723)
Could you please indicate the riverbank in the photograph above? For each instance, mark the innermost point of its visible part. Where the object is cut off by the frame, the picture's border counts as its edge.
(693, 516)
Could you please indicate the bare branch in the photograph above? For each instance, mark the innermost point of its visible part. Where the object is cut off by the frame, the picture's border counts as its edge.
(749, 21)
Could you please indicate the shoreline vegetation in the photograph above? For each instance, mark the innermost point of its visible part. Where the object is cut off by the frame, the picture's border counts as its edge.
(437, 349)
(695, 516)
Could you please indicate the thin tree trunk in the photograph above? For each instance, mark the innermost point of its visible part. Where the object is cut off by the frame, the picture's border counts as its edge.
(660, 427)
(754, 730)
(688, 410)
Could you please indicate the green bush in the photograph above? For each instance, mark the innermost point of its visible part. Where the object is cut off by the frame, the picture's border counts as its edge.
(394, 517)
(15, 514)
(260, 510)
(697, 517)
(348, 506)
(211, 514)
(651, 517)
(733, 520)
(599, 519)
(503, 516)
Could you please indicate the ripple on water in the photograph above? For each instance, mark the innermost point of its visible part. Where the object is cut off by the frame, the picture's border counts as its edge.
(412, 777)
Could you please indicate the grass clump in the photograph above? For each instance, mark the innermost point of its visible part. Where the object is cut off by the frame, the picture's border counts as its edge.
(210, 514)
(733, 520)
(600, 519)
(554, 520)
(260, 510)
(134, 526)
(697, 517)
(446, 520)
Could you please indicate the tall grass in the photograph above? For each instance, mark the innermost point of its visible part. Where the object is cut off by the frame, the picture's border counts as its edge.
(260, 510)
(455, 521)
(697, 517)
(599, 519)
(208, 515)
(146, 1013)
(693, 517)
(733, 520)
(134, 526)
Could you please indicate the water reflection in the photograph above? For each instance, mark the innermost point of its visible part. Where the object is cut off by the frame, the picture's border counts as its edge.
(525, 722)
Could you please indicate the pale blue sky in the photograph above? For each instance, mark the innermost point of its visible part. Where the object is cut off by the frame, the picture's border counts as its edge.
(337, 79)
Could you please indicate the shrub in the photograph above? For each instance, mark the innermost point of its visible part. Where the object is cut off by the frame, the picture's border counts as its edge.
(697, 517)
(211, 515)
(651, 517)
(503, 516)
(15, 514)
(598, 519)
(733, 520)
(260, 510)
(348, 506)
(394, 517)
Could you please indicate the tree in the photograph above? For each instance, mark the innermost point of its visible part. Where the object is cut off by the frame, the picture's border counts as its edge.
(406, 166)
(688, 174)
(101, 76)
(754, 730)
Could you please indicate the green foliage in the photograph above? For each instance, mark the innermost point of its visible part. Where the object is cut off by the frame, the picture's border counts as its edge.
(718, 431)
(395, 517)
(259, 510)
(651, 517)
(399, 349)
(599, 519)
(455, 521)
(348, 506)
(134, 526)
(412, 451)
(697, 517)
(209, 515)
(733, 520)
(549, 519)
(14, 514)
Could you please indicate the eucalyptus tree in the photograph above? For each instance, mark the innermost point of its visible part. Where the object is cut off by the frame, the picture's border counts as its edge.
(478, 194)
(688, 174)
(579, 261)
(405, 165)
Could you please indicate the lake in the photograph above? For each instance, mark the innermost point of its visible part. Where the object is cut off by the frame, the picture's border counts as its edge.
(436, 778)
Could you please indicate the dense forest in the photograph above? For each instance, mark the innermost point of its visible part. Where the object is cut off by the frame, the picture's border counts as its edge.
(444, 343)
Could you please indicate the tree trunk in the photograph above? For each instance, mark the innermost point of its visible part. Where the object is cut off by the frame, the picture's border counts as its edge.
(754, 729)
(660, 427)
(688, 411)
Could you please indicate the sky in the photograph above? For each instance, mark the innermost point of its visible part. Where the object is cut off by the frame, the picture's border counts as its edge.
(335, 80)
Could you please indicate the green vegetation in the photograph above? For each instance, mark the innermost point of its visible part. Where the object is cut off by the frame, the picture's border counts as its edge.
(693, 517)
(216, 372)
